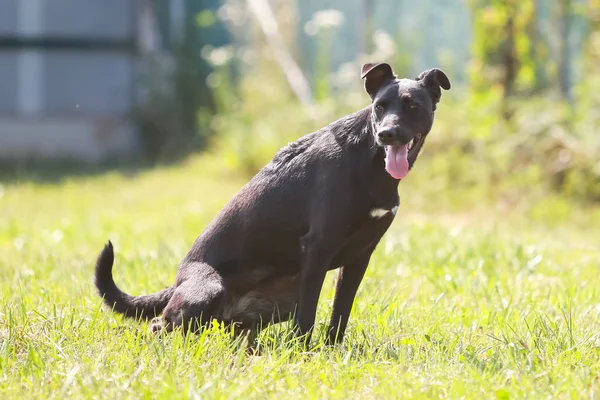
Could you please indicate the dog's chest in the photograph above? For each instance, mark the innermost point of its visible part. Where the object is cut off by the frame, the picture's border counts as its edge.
(381, 195)
(372, 207)
(370, 217)
(382, 202)
(382, 212)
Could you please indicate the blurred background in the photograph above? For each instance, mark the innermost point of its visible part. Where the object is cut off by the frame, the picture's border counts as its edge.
(91, 85)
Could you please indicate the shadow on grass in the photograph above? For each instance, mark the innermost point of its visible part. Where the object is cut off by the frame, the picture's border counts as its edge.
(57, 171)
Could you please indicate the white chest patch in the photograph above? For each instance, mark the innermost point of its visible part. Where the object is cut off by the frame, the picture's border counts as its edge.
(382, 212)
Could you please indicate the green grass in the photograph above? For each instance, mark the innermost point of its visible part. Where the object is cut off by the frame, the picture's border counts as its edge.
(462, 299)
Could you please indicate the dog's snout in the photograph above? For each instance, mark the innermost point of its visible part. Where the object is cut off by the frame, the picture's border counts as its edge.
(386, 135)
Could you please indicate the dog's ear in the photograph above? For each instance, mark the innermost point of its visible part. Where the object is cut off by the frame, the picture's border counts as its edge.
(376, 76)
(434, 79)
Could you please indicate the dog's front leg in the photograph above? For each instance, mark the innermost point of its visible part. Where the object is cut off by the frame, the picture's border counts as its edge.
(312, 274)
(349, 278)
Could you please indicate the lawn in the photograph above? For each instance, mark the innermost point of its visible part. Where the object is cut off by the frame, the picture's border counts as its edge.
(463, 299)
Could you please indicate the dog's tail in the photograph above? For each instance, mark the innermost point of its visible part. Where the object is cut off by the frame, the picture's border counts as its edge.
(146, 307)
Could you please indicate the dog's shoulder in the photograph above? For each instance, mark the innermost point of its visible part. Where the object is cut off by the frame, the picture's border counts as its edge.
(327, 142)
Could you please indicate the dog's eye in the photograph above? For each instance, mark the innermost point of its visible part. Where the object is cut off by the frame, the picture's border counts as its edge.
(410, 107)
(379, 108)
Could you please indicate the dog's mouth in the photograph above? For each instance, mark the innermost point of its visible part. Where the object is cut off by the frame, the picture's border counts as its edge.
(396, 157)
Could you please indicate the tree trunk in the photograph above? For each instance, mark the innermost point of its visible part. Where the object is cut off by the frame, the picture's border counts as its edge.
(538, 50)
(266, 18)
(367, 27)
(564, 61)
(509, 60)
(592, 48)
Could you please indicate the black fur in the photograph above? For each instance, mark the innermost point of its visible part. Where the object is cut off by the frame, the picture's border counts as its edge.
(322, 203)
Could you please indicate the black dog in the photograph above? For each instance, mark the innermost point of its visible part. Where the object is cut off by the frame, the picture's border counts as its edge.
(322, 203)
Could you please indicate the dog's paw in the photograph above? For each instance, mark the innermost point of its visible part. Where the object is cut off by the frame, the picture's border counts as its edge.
(157, 326)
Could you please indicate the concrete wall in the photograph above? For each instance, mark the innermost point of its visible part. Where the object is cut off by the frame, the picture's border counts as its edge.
(67, 81)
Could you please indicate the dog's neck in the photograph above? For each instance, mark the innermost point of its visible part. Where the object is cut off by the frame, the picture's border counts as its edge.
(358, 128)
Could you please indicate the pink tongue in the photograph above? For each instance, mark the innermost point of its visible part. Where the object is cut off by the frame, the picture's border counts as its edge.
(396, 161)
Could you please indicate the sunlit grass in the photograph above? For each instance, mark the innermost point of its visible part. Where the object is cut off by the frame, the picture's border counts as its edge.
(479, 301)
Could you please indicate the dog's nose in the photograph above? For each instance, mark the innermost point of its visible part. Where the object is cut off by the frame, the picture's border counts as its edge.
(386, 135)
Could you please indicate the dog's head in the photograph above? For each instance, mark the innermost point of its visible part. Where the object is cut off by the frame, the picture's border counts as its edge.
(402, 112)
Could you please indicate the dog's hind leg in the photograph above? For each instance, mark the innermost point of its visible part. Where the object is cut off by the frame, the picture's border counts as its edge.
(193, 303)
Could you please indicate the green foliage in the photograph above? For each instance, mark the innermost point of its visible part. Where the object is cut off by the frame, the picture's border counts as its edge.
(174, 93)
(166, 115)
(507, 40)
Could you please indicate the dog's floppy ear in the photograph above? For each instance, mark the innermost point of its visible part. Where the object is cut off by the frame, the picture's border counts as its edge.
(376, 75)
(434, 79)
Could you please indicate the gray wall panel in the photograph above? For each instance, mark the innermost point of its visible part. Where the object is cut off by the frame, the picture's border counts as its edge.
(8, 17)
(107, 19)
(88, 84)
(8, 82)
